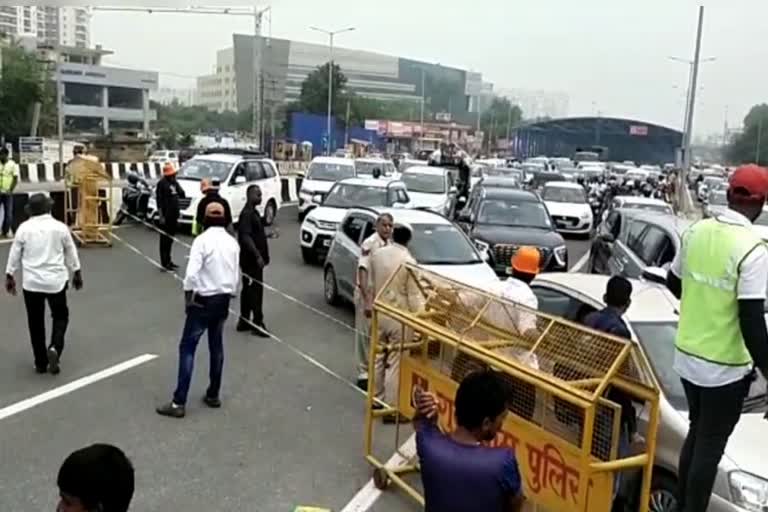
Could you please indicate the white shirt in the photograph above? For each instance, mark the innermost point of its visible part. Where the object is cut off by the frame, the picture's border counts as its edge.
(367, 249)
(752, 284)
(518, 292)
(214, 264)
(45, 252)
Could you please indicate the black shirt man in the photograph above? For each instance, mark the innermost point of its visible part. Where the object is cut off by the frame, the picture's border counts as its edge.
(168, 193)
(254, 256)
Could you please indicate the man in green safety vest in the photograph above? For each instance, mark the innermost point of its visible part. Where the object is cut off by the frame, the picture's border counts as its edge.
(720, 276)
(9, 178)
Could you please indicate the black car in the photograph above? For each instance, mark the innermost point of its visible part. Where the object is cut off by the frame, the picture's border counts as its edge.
(500, 220)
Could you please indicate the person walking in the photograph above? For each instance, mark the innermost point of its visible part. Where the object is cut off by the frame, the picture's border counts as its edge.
(363, 297)
(254, 257)
(210, 190)
(9, 178)
(96, 478)
(168, 193)
(210, 283)
(44, 251)
(720, 276)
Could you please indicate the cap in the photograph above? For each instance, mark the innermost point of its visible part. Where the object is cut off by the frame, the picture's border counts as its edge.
(749, 182)
(214, 210)
(169, 169)
(527, 259)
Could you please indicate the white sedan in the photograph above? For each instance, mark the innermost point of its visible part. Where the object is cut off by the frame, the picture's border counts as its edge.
(568, 206)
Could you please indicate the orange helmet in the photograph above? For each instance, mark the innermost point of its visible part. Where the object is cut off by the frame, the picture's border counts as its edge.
(527, 260)
(169, 169)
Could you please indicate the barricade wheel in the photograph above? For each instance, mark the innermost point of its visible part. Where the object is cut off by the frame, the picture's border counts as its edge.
(380, 479)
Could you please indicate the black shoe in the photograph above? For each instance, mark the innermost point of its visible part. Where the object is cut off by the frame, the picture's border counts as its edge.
(41, 369)
(53, 361)
(171, 410)
(261, 331)
(173, 266)
(243, 326)
(362, 384)
(213, 403)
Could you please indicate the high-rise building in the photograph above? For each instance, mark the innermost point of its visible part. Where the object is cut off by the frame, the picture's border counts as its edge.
(218, 90)
(66, 26)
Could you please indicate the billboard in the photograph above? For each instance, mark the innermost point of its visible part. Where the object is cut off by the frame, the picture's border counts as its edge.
(638, 130)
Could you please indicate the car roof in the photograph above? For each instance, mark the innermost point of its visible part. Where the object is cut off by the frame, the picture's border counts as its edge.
(563, 184)
(423, 169)
(498, 181)
(333, 160)
(511, 193)
(411, 216)
(219, 157)
(372, 160)
(651, 302)
(641, 200)
(372, 182)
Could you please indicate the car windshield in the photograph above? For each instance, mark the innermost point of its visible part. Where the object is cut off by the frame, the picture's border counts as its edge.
(713, 182)
(366, 168)
(441, 244)
(503, 212)
(330, 172)
(199, 168)
(345, 195)
(564, 195)
(718, 197)
(425, 183)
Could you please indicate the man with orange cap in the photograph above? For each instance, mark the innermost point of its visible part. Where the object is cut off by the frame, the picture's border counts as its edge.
(168, 193)
(526, 264)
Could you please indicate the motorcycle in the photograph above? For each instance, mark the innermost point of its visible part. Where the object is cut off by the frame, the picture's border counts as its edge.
(135, 200)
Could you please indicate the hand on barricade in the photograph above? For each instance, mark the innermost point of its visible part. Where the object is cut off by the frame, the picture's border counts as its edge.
(426, 404)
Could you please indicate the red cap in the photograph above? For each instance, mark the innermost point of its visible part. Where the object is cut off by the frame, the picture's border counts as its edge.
(749, 182)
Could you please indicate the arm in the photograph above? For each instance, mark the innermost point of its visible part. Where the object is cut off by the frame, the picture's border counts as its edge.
(752, 287)
(15, 177)
(512, 485)
(426, 409)
(194, 265)
(14, 261)
(245, 232)
(675, 274)
(179, 190)
(71, 258)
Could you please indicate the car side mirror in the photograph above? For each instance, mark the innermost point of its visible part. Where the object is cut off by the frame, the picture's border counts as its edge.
(239, 180)
(317, 198)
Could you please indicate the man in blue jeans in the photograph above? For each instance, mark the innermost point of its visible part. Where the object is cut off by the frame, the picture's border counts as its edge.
(210, 283)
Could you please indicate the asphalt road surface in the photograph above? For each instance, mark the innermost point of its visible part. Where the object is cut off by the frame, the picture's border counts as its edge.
(291, 429)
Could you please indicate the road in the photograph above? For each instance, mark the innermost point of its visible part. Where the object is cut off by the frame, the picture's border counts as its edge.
(290, 432)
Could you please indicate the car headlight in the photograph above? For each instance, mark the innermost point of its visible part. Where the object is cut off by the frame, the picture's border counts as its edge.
(586, 215)
(310, 220)
(481, 246)
(748, 491)
(328, 226)
(561, 255)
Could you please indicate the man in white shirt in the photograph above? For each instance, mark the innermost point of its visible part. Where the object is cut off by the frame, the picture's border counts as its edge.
(45, 252)
(213, 272)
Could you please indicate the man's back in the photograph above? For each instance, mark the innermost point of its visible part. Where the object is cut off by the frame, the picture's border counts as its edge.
(46, 250)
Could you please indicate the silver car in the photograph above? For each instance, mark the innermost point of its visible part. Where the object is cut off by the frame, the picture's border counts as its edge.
(741, 484)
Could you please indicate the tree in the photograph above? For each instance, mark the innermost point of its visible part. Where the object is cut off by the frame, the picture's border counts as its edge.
(24, 81)
(314, 92)
(495, 119)
(751, 146)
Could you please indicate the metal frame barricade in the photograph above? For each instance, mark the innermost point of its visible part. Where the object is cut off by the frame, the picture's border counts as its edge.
(565, 432)
(86, 210)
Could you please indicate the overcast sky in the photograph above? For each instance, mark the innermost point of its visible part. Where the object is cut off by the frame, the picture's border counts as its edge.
(607, 55)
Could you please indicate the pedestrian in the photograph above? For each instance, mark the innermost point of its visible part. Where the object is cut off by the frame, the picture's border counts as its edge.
(459, 472)
(254, 257)
(98, 478)
(363, 297)
(9, 178)
(720, 276)
(44, 251)
(210, 283)
(210, 190)
(402, 293)
(526, 265)
(168, 193)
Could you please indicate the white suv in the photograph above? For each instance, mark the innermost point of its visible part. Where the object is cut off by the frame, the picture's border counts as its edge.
(323, 172)
(430, 187)
(320, 224)
(236, 171)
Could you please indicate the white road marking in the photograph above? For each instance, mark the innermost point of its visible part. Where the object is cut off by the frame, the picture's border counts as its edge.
(60, 391)
(367, 496)
(580, 264)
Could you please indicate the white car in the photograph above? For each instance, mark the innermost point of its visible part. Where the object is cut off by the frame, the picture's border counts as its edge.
(364, 167)
(321, 175)
(707, 184)
(430, 187)
(641, 203)
(741, 484)
(319, 226)
(437, 244)
(568, 206)
(236, 171)
(164, 155)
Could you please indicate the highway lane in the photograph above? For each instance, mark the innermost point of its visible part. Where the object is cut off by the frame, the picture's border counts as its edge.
(290, 432)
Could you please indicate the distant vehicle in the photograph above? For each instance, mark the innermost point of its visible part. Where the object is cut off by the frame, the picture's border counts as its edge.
(716, 203)
(364, 167)
(568, 205)
(437, 245)
(430, 187)
(591, 154)
(543, 160)
(505, 172)
(164, 155)
(319, 226)
(321, 175)
(639, 203)
(561, 162)
(408, 163)
(707, 184)
(542, 178)
(636, 174)
(500, 220)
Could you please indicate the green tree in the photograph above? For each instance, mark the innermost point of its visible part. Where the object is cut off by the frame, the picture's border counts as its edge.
(314, 92)
(24, 81)
(751, 146)
(497, 117)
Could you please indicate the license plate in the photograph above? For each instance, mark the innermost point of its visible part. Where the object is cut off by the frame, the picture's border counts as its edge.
(327, 243)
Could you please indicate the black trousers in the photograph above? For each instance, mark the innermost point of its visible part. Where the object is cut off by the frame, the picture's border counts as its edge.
(713, 414)
(252, 296)
(35, 304)
(170, 227)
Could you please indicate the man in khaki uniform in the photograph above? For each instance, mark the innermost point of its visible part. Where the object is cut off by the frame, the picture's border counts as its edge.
(364, 294)
(402, 293)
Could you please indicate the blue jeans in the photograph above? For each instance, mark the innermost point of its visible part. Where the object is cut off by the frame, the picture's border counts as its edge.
(6, 205)
(207, 313)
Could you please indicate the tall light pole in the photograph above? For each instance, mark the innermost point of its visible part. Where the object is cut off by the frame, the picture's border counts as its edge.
(688, 89)
(423, 100)
(759, 137)
(331, 34)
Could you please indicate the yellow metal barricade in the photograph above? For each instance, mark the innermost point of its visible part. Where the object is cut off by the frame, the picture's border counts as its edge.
(562, 427)
(87, 211)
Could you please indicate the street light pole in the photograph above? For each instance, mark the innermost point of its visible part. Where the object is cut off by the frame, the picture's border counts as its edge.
(423, 99)
(330, 34)
(759, 137)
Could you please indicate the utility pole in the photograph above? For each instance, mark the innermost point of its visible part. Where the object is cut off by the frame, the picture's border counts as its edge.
(346, 125)
(759, 138)
(509, 123)
(423, 99)
(688, 135)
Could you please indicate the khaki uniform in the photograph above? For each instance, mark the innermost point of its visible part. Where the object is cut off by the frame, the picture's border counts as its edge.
(362, 325)
(402, 293)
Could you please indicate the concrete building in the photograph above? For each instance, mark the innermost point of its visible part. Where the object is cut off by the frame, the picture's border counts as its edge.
(67, 26)
(169, 95)
(286, 64)
(218, 90)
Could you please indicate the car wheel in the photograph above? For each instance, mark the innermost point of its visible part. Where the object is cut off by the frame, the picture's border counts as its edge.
(308, 255)
(330, 288)
(270, 212)
(663, 494)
